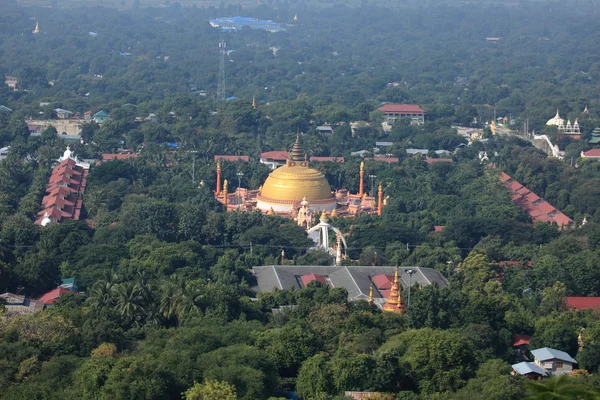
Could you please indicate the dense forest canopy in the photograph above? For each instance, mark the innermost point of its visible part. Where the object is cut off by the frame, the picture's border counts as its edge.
(166, 303)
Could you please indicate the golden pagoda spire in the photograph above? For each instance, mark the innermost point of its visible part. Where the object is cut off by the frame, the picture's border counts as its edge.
(371, 294)
(394, 302)
(361, 183)
(225, 194)
(380, 201)
(37, 27)
(271, 211)
(218, 191)
(253, 102)
(580, 340)
(297, 153)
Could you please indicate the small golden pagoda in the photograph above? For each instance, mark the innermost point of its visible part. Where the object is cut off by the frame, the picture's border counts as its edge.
(394, 302)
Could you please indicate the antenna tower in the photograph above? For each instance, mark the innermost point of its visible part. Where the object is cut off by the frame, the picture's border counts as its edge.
(221, 84)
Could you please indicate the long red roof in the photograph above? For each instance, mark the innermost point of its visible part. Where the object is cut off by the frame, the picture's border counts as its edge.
(579, 303)
(402, 109)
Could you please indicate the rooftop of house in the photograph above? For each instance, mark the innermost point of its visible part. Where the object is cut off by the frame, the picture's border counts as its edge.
(402, 109)
(52, 295)
(356, 280)
(592, 153)
(547, 353)
(109, 157)
(525, 368)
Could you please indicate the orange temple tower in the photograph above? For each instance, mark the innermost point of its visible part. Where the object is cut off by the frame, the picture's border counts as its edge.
(380, 200)
(394, 302)
(218, 191)
(361, 184)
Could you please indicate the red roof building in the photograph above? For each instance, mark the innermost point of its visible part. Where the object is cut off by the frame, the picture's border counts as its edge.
(593, 153)
(66, 184)
(580, 303)
(327, 159)
(52, 295)
(438, 228)
(395, 112)
(538, 209)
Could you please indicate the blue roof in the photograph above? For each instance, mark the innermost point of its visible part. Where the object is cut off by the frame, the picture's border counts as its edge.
(546, 353)
(231, 98)
(524, 368)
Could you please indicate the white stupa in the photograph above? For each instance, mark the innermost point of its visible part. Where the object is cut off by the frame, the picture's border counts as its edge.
(556, 121)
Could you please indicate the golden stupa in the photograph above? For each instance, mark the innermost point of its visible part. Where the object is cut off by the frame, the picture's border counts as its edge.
(289, 184)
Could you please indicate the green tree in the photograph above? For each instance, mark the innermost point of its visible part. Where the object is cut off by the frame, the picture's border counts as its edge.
(210, 390)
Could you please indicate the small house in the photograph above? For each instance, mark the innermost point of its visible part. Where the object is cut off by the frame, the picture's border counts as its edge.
(529, 370)
(62, 113)
(101, 117)
(553, 361)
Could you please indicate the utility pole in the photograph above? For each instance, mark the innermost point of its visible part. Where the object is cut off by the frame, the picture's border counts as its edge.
(372, 184)
(221, 83)
(409, 271)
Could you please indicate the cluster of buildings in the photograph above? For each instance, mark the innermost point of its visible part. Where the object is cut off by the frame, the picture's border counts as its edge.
(294, 190)
(229, 24)
(546, 362)
(571, 130)
(21, 305)
(538, 209)
(378, 285)
(68, 125)
(64, 193)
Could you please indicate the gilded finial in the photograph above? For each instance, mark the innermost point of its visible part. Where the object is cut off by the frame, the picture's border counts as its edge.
(324, 216)
(371, 294)
(219, 163)
(271, 211)
(253, 102)
(380, 188)
(362, 166)
(334, 213)
(225, 185)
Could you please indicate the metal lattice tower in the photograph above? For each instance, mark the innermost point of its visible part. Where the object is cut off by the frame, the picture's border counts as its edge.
(221, 84)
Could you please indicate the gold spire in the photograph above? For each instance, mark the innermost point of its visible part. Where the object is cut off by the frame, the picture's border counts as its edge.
(37, 27)
(324, 216)
(580, 340)
(297, 153)
(394, 302)
(271, 211)
(362, 166)
(333, 213)
(371, 294)
(253, 102)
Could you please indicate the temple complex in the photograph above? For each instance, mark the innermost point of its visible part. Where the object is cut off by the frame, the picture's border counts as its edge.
(299, 192)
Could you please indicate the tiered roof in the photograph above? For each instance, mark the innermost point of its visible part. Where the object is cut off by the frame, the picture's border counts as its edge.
(538, 209)
(394, 301)
(67, 182)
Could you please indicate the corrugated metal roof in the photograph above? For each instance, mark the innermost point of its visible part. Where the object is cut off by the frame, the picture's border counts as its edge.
(546, 353)
(524, 368)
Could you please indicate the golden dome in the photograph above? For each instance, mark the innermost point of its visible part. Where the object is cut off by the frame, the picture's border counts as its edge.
(296, 182)
(334, 213)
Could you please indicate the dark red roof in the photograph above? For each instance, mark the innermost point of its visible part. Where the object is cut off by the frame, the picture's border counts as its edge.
(52, 295)
(579, 303)
(505, 177)
(592, 153)
(232, 158)
(278, 155)
(545, 207)
(327, 159)
(383, 282)
(514, 186)
(402, 109)
(306, 279)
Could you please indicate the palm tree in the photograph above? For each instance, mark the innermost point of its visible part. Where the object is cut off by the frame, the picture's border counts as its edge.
(101, 295)
(560, 388)
(180, 299)
(129, 299)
